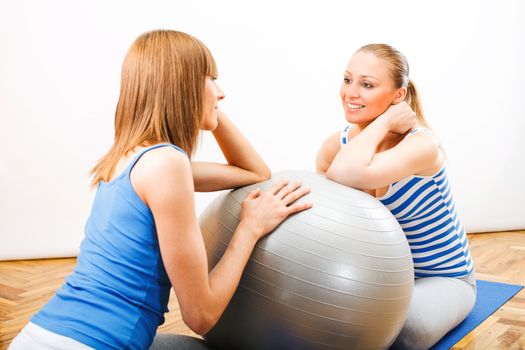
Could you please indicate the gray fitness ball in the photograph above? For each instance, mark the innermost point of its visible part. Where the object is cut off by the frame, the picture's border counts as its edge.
(337, 276)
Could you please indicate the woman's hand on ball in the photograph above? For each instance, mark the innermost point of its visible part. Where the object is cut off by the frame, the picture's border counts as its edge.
(262, 211)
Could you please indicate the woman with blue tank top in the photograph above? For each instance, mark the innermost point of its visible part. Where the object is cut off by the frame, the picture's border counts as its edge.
(142, 237)
(388, 151)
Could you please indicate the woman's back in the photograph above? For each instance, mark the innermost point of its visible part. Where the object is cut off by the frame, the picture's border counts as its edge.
(119, 290)
(425, 208)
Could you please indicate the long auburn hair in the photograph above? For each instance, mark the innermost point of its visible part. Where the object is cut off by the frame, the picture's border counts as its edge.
(161, 96)
(398, 66)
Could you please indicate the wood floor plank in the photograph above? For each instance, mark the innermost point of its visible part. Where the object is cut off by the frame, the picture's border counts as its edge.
(470, 340)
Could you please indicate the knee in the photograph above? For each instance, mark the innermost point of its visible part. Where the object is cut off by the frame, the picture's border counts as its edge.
(406, 343)
(414, 338)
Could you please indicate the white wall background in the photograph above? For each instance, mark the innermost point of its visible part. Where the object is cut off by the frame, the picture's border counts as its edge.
(281, 64)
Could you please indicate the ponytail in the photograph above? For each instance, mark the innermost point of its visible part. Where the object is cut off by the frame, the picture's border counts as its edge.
(412, 99)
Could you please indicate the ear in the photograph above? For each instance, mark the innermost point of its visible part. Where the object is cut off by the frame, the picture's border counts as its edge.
(400, 95)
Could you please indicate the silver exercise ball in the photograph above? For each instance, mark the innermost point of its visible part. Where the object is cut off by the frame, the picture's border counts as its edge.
(337, 276)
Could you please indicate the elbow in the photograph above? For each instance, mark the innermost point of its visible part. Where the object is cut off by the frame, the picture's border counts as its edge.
(263, 174)
(200, 323)
(336, 176)
(201, 328)
(199, 313)
(266, 174)
(331, 173)
(321, 167)
(348, 177)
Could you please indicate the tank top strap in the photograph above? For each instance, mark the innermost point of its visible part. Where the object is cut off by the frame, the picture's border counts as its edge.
(147, 149)
(344, 134)
(416, 130)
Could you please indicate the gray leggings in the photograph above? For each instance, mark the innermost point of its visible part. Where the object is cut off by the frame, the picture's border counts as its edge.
(438, 305)
(178, 342)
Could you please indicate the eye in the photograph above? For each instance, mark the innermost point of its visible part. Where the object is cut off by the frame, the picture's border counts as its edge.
(347, 80)
(367, 85)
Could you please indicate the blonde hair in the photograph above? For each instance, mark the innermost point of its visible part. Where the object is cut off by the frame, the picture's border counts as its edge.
(398, 66)
(161, 95)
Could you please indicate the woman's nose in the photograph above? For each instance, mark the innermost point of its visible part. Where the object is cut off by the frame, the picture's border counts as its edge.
(220, 93)
(349, 91)
(352, 90)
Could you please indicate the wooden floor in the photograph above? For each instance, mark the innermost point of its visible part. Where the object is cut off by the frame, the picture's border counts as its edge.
(26, 285)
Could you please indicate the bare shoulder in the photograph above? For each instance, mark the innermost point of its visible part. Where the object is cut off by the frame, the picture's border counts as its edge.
(161, 169)
(327, 152)
(428, 151)
(426, 140)
(333, 140)
(330, 146)
(164, 157)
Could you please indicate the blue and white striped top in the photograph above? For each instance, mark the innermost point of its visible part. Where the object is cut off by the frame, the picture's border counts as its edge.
(425, 209)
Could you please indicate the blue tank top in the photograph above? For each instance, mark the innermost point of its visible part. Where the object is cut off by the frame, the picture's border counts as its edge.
(425, 209)
(118, 293)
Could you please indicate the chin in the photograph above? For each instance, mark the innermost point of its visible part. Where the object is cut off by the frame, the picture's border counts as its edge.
(355, 120)
(359, 119)
(210, 123)
(211, 126)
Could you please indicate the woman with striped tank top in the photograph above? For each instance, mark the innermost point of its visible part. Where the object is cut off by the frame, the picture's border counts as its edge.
(142, 237)
(388, 151)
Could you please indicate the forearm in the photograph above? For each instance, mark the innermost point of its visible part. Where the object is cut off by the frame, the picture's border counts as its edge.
(225, 276)
(238, 151)
(350, 164)
(209, 177)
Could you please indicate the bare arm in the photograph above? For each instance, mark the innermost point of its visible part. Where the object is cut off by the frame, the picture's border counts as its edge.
(329, 149)
(244, 167)
(359, 165)
(163, 179)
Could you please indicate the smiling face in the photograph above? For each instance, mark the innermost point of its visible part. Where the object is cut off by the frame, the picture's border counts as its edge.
(212, 95)
(368, 88)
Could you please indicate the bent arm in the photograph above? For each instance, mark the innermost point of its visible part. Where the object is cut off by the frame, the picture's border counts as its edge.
(351, 164)
(165, 182)
(359, 166)
(245, 166)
